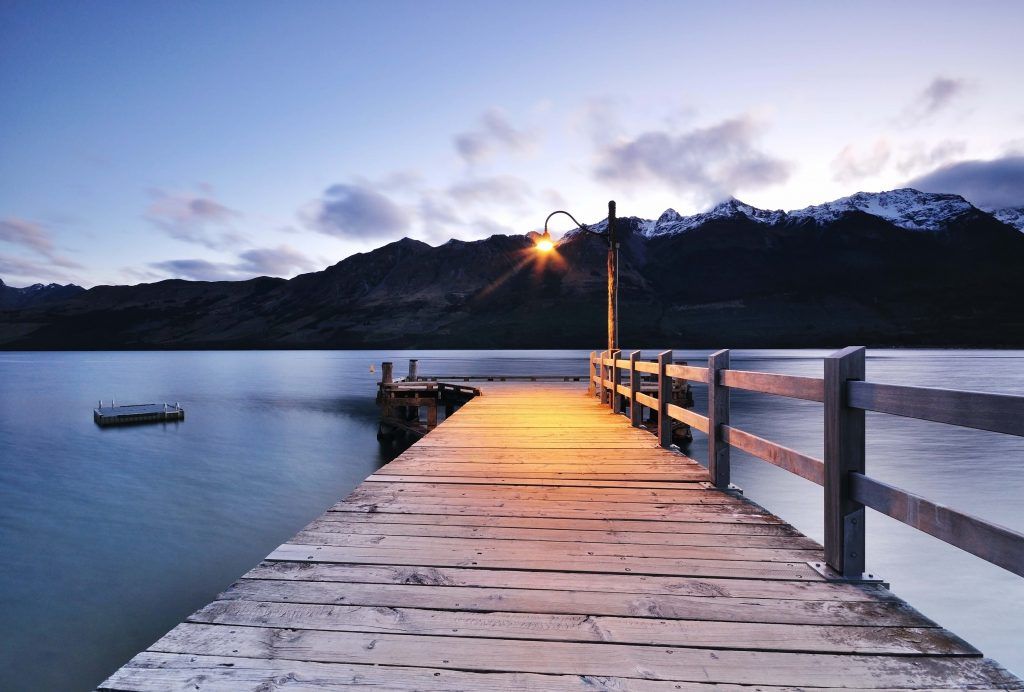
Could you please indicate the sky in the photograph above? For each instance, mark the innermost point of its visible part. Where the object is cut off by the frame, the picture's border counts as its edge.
(147, 140)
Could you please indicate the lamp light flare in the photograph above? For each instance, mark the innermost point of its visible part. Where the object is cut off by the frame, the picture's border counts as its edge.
(544, 242)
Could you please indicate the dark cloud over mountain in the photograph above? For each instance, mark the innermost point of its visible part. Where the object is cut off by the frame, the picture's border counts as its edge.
(993, 184)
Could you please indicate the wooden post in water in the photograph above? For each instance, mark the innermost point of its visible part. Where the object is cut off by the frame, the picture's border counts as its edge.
(844, 454)
(634, 387)
(664, 394)
(718, 415)
(412, 370)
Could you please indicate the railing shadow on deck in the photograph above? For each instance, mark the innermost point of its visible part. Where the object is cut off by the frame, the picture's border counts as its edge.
(847, 487)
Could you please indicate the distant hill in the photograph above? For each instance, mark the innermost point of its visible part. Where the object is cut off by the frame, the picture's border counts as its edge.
(12, 298)
(894, 268)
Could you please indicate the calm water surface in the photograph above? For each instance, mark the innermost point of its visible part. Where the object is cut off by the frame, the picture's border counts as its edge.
(110, 537)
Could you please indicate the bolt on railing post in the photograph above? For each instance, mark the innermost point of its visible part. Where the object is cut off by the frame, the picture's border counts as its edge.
(615, 400)
(634, 387)
(590, 374)
(664, 392)
(844, 453)
(718, 415)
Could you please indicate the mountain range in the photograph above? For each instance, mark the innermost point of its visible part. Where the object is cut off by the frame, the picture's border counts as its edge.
(899, 268)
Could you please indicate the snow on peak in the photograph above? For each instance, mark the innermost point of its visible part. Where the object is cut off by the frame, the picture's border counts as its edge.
(1012, 216)
(907, 208)
(671, 221)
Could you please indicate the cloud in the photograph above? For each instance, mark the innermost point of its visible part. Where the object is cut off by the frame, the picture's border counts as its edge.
(920, 157)
(501, 189)
(358, 211)
(193, 218)
(35, 238)
(494, 134)
(280, 261)
(197, 269)
(992, 184)
(940, 93)
(31, 271)
(710, 162)
(850, 164)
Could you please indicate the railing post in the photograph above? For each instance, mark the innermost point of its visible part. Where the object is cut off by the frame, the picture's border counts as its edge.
(634, 387)
(602, 375)
(590, 374)
(664, 394)
(718, 415)
(412, 370)
(387, 371)
(615, 400)
(844, 453)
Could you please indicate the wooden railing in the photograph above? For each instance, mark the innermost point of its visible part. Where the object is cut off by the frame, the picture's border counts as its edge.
(846, 397)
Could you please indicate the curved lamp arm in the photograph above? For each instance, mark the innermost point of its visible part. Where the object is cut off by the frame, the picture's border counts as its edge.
(579, 225)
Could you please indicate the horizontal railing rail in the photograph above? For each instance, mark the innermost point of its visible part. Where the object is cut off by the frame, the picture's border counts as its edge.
(846, 397)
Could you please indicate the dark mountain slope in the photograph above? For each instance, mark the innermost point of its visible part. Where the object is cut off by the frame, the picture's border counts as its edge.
(900, 268)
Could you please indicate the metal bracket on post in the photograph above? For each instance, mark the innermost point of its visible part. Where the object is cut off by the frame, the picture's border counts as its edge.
(731, 488)
(835, 577)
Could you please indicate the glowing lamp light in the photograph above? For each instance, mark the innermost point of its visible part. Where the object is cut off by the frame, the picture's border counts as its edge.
(545, 244)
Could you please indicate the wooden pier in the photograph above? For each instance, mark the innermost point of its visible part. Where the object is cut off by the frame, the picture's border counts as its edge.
(535, 540)
(130, 414)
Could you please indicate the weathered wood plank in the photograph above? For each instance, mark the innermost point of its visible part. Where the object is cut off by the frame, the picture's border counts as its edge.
(997, 544)
(665, 663)
(809, 388)
(785, 458)
(880, 613)
(586, 628)
(580, 562)
(570, 581)
(540, 534)
(981, 410)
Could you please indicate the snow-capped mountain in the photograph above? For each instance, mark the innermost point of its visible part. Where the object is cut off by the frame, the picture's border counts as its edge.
(1014, 216)
(906, 208)
(36, 294)
(672, 221)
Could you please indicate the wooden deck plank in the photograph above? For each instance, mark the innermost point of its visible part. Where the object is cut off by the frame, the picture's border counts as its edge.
(535, 541)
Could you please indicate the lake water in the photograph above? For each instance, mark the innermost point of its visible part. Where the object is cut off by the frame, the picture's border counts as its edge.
(110, 537)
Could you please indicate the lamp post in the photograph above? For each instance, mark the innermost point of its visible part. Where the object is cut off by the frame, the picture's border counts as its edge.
(545, 244)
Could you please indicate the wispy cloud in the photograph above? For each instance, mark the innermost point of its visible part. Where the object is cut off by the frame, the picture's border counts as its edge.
(853, 164)
(992, 184)
(941, 93)
(501, 189)
(495, 133)
(36, 238)
(708, 163)
(278, 261)
(357, 211)
(921, 157)
(194, 218)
